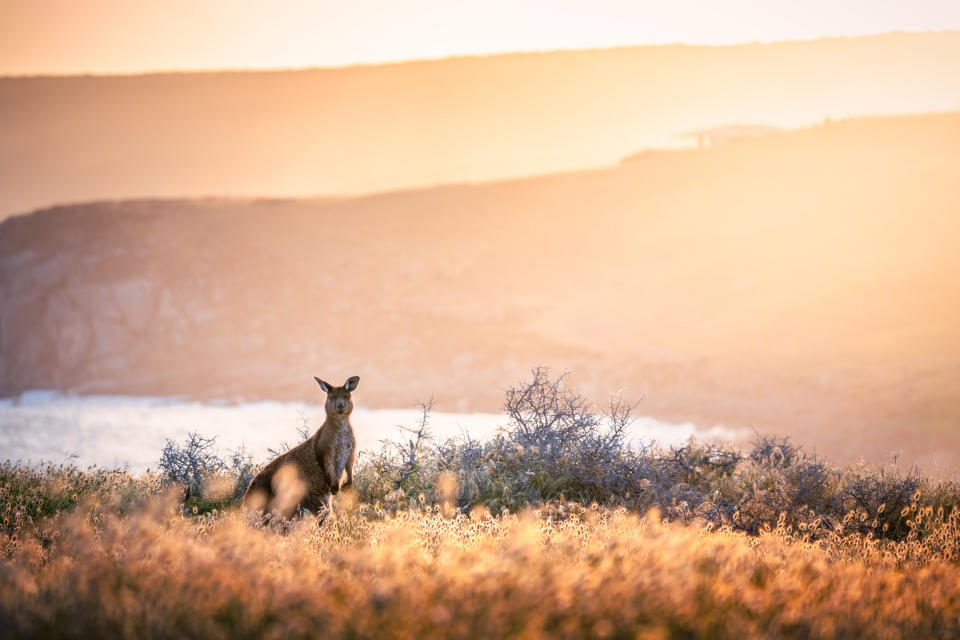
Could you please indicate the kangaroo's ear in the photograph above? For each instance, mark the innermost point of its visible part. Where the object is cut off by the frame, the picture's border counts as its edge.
(351, 383)
(326, 386)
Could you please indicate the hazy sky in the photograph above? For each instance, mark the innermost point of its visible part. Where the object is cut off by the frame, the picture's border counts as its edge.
(70, 36)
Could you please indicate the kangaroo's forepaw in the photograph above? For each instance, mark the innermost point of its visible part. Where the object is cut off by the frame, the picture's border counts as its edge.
(347, 484)
(335, 489)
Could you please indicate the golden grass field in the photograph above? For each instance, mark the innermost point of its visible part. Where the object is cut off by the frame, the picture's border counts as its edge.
(119, 558)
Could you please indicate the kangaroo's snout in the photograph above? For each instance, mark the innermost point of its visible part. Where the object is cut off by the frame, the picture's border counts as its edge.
(339, 404)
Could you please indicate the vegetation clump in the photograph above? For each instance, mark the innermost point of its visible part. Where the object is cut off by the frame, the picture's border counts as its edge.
(555, 447)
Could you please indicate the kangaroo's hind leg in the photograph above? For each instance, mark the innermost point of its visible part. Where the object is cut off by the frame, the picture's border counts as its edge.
(317, 504)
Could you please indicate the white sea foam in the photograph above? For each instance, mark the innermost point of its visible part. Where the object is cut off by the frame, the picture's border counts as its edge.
(128, 430)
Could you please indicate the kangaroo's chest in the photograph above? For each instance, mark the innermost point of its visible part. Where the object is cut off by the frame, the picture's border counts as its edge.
(342, 446)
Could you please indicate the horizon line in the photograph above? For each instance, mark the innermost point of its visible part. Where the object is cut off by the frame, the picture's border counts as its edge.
(457, 56)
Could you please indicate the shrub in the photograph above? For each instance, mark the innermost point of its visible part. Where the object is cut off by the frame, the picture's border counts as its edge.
(555, 447)
(552, 447)
(188, 464)
(207, 480)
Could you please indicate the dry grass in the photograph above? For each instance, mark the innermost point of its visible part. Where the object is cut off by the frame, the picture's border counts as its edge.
(562, 571)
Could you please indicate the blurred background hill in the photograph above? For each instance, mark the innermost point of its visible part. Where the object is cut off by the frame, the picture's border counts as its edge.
(801, 282)
(66, 139)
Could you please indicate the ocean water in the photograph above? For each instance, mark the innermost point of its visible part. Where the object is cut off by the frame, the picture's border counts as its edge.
(46, 426)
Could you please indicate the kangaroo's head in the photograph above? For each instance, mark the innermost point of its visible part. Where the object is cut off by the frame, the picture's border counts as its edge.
(338, 398)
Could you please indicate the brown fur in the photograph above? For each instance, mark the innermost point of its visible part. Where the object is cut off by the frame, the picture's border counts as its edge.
(308, 475)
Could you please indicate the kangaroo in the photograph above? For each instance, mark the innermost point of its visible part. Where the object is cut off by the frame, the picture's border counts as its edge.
(308, 475)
